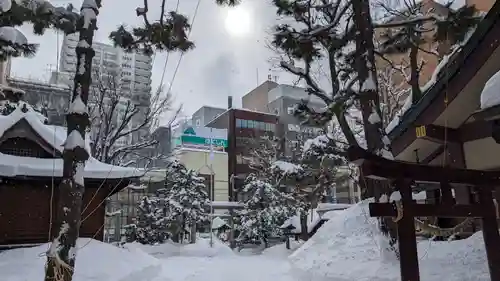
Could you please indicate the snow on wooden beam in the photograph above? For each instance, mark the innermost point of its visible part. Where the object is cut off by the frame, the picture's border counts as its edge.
(376, 167)
(424, 210)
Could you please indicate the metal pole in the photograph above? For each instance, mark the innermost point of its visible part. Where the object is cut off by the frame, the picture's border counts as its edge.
(212, 189)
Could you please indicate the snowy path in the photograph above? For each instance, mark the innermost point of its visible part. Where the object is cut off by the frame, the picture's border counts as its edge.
(226, 268)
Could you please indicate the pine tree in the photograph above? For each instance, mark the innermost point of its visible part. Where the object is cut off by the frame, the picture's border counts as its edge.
(41, 14)
(186, 198)
(151, 225)
(266, 209)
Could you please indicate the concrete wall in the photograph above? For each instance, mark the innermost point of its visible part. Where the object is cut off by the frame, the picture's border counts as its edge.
(199, 160)
(257, 99)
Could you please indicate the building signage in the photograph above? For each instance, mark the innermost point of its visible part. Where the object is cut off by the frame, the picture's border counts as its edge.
(202, 136)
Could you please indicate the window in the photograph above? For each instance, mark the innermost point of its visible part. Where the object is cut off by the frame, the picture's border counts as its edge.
(244, 123)
(198, 122)
(238, 123)
(290, 110)
(23, 147)
(251, 124)
(262, 126)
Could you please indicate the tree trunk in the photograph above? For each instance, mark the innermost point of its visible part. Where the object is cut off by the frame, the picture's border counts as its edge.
(370, 103)
(416, 93)
(62, 254)
(192, 236)
(304, 235)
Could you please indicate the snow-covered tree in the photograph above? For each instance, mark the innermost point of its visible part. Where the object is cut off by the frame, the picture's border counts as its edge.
(116, 118)
(41, 14)
(187, 202)
(151, 226)
(266, 209)
(267, 193)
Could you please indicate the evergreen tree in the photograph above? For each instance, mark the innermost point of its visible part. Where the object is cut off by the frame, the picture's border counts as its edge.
(151, 225)
(41, 14)
(266, 209)
(185, 197)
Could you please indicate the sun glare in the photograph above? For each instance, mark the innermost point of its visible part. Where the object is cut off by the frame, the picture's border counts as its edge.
(238, 22)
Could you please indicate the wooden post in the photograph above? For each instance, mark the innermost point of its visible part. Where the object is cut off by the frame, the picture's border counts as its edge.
(406, 235)
(490, 232)
(232, 242)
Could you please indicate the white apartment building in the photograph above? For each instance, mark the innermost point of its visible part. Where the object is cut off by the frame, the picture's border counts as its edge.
(133, 70)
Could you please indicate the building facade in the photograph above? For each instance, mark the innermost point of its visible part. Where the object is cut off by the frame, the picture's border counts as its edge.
(52, 100)
(128, 74)
(243, 128)
(205, 114)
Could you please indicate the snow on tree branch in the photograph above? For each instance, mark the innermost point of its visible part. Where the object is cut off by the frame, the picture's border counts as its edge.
(168, 33)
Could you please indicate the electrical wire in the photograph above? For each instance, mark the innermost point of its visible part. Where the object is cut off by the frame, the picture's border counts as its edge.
(168, 53)
(182, 54)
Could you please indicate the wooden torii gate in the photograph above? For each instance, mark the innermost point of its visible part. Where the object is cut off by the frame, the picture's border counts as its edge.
(402, 175)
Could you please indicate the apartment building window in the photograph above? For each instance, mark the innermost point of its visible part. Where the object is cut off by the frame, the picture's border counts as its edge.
(252, 124)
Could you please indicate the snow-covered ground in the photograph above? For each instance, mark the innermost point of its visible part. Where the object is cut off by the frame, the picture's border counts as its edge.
(346, 248)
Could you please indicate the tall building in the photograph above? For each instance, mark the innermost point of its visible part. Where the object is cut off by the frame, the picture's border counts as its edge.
(129, 74)
(280, 100)
(243, 128)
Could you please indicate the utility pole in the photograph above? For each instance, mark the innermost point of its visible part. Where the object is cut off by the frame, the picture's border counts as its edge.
(61, 256)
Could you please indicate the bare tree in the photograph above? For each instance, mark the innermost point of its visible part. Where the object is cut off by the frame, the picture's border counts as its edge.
(120, 123)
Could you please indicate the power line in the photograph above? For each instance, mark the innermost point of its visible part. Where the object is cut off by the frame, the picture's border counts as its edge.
(168, 53)
(182, 54)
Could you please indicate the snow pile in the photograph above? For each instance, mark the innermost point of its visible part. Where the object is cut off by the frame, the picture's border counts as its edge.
(313, 219)
(161, 251)
(96, 261)
(280, 250)
(490, 96)
(202, 249)
(346, 248)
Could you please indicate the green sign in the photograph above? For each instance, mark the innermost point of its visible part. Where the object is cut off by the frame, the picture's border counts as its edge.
(190, 136)
(203, 141)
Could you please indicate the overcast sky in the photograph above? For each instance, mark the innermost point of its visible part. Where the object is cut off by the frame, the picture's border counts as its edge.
(222, 64)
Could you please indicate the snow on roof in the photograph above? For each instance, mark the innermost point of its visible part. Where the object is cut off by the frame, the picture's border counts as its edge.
(490, 96)
(432, 81)
(351, 241)
(12, 166)
(313, 218)
(218, 223)
(325, 207)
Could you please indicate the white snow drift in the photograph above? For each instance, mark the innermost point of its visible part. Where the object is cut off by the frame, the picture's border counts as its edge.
(347, 248)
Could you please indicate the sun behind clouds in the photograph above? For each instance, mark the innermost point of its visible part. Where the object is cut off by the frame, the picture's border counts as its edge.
(238, 21)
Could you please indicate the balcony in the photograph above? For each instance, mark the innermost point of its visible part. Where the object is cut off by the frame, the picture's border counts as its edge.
(142, 72)
(143, 65)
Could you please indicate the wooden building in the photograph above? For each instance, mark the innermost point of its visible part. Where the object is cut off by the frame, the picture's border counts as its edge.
(30, 173)
(448, 127)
